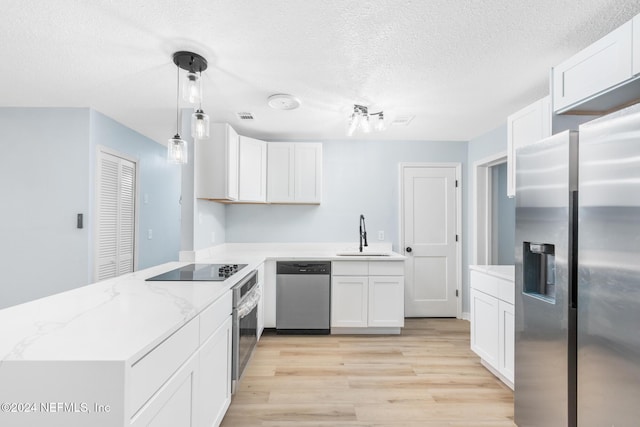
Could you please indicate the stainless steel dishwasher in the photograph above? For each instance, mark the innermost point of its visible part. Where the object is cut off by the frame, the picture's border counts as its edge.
(303, 297)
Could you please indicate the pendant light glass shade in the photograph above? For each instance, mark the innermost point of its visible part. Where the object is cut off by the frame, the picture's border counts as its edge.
(177, 150)
(200, 125)
(380, 124)
(191, 88)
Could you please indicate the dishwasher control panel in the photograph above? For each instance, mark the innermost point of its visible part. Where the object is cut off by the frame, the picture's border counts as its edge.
(315, 267)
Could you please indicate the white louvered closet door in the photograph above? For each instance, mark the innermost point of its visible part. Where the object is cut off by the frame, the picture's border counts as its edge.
(115, 216)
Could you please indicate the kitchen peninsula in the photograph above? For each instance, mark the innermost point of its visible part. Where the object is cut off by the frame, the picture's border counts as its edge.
(127, 352)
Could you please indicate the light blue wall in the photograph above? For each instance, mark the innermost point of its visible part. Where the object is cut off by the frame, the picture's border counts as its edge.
(47, 171)
(359, 177)
(504, 216)
(488, 144)
(158, 189)
(44, 171)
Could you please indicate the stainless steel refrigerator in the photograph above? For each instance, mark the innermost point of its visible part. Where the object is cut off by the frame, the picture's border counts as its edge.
(578, 277)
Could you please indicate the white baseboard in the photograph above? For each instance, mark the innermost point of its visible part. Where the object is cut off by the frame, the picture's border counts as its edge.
(466, 316)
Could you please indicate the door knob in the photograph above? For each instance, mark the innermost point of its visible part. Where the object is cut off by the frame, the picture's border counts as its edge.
(408, 249)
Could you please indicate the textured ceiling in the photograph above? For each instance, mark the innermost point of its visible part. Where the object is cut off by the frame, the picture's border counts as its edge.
(459, 66)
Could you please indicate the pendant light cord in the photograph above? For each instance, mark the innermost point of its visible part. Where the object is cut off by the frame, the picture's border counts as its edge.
(200, 81)
(178, 101)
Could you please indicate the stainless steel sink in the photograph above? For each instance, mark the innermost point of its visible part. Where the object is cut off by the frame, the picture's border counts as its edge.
(365, 253)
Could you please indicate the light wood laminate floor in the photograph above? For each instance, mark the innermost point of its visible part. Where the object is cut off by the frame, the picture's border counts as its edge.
(426, 377)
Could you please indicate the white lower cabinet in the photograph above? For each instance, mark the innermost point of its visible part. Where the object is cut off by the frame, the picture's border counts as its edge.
(367, 296)
(484, 326)
(493, 324)
(386, 301)
(214, 377)
(506, 326)
(349, 301)
(173, 404)
(198, 393)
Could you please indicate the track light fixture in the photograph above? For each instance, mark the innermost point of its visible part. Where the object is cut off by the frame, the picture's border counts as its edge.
(362, 120)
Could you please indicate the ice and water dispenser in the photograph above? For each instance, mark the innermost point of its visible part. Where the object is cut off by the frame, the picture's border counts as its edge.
(539, 271)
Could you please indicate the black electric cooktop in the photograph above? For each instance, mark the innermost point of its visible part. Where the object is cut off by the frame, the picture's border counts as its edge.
(200, 272)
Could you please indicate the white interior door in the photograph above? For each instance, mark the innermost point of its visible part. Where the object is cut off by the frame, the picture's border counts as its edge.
(430, 239)
(115, 223)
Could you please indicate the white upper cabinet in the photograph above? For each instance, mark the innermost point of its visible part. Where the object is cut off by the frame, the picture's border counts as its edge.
(525, 127)
(585, 82)
(280, 172)
(294, 172)
(252, 178)
(216, 164)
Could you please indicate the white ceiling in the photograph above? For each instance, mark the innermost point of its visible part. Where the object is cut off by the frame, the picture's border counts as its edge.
(459, 66)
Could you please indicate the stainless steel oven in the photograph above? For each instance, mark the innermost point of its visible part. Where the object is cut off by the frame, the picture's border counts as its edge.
(246, 296)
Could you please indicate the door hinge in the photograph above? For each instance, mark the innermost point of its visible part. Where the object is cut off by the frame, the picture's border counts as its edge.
(456, 183)
(456, 292)
(456, 237)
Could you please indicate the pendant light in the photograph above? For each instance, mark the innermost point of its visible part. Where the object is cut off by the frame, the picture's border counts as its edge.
(200, 121)
(194, 64)
(177, 147)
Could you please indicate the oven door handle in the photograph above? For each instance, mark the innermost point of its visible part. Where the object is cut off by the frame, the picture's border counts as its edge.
(249, 303)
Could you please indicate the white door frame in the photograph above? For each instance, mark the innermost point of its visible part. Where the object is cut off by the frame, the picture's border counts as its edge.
(96, 183)
(401, 249)
(482, 229)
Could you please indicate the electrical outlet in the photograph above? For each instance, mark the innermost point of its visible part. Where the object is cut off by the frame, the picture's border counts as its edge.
(380, 235)
(150, 234)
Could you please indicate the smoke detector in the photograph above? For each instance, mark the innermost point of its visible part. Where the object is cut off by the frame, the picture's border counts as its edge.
(281, 101)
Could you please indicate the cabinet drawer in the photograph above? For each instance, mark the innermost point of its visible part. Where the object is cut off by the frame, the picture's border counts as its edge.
(386, 268)
(215, 315)
(149, 373)
(484, 283)
(350, 268)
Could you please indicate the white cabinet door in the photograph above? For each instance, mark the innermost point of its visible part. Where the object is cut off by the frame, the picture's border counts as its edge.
(386, 301)
(525, 127)
(595, 69)
(177, 410)
(280, 172)
(294, 172)
(308, 172)
(636, 45)
(216, 164)
(214, 377)
(174, 403)
(253, 170)
(484, 325)
(507, 340)
(349, 301)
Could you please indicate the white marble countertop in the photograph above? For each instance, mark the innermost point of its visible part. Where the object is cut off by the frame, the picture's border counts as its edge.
(506, 272)
(118, 319)
(121, 319)
(294, 251)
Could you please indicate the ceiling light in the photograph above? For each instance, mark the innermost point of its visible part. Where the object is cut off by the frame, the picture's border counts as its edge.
(191, 88)
(283, 102)
(194, 64)
(361, 119)
(177, 147)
